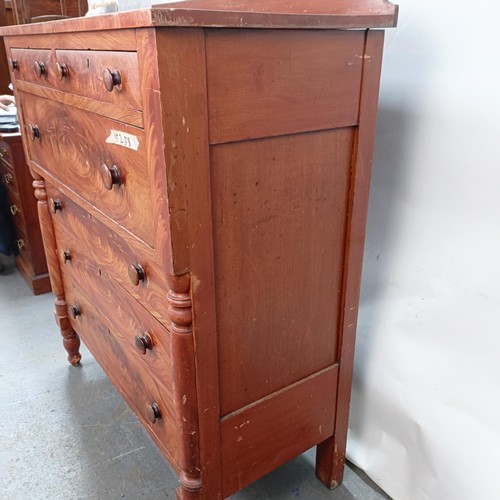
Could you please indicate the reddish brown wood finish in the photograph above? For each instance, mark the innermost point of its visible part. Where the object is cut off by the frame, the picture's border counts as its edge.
(4, 70)
(278, 259)
(266, 429)
(330, 456)
(15, 174)
(214, 273)
(249, 96)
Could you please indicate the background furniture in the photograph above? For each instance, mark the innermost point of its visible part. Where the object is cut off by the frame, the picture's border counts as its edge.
(202, 194)
(33, 11)
(15, 174)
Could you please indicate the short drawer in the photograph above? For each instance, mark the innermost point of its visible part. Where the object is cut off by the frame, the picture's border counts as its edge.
(71, 145)
(8, 177)
(106, 76)
(82, 239)
(17, 212)
(108, 322)
(5, 154)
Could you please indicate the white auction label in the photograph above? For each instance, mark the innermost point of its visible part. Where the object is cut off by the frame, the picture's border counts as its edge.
(123, 139)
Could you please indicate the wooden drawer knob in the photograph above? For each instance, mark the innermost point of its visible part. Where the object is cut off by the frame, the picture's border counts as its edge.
(56, 206)
(111, 176)
(66, 256)
(75, 311)
(112, 79)
(153, 412)
(7, 178)
(13, 64)
(20, 244)
(143, 342)
(34, 132)
(62, 70)
(14, 209)
(136, 274)
(40, 69)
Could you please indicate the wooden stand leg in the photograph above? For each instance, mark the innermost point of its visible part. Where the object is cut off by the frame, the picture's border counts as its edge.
(71, 341)
(329, 463)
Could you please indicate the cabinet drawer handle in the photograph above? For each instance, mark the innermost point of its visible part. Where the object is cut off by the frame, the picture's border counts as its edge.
(153, 412)
(13, 64)
(14, 209)
(20, 244)
(34, 132)
(40, 69)
(56, 206)
(112, 79)
(111, 176)
(8, 179)
(143, 342)
(136, 274)
(66, 256)
(62, 70)
(75, 311)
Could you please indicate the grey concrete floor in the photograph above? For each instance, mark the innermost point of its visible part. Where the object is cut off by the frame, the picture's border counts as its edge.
(65, 433)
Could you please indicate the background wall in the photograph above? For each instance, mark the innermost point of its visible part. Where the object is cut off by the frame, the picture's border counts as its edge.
(425, 418)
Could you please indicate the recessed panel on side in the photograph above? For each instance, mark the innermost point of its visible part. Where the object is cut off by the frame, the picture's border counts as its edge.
(279, 218)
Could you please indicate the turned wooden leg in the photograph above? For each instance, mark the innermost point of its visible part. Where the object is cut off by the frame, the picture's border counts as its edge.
(71, 341)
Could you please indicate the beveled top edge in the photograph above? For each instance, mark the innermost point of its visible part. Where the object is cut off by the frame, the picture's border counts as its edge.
(271, 14)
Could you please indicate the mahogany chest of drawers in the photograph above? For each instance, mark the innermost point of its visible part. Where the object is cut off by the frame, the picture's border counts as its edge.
(15, 175)
(202, 178)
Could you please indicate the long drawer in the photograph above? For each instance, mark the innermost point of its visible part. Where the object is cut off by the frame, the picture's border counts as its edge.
(71, 145)
(83, 239)
(108, 321)
(107, 76)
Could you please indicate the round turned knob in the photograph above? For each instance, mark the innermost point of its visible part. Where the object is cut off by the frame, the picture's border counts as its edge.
(136, 274)
(20, 244)
(112, 79)
(110, 176)
(13, 64)
(8, 179)
(14, 209)
(56, 206)
(34, 132)
(62, 70)
(66, 256)
(40, 69)
(143, 342)
(74, 311)
(153, 412)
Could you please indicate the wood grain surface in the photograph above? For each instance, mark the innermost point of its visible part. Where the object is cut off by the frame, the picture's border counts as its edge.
(78, 138)
(92, 243)
(278, 14)
(107, 323)
(279, 229)
(278, 428)
(251, 96)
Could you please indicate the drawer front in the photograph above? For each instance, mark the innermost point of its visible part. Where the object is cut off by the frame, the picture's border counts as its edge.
(8, 177)
(17, 212)
(108, 321)
(88, 241)
(71, 145)
(105, 76)
(5, 154)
